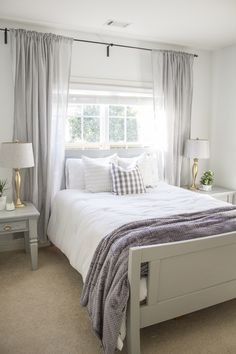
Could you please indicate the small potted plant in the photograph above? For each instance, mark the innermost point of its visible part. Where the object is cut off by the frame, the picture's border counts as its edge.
(3, 198)
(206, 181)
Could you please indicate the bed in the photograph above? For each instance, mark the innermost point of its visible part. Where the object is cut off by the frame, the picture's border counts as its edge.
(183, 276)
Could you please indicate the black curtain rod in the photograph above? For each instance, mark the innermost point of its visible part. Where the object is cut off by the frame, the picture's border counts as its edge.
(108, 45)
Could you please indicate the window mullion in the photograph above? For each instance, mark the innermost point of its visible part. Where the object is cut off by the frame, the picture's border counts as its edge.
(106, 119)
(82, 125)
(125, 127)
(102, 126)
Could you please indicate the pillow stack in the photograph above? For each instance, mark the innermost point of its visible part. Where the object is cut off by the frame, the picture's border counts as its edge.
(111, 174)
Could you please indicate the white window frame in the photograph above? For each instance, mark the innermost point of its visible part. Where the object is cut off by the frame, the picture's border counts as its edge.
(135, 93)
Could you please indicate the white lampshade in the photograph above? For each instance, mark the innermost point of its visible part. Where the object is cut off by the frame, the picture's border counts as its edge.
(197, 148)
(16, 155)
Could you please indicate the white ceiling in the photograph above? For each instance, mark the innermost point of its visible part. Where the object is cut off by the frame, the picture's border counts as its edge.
(206, 24)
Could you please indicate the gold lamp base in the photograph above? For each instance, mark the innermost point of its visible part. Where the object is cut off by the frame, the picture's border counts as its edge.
(18, 203)
(193, 187)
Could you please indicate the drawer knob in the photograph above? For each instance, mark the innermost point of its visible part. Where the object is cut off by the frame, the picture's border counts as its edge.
(7, 228)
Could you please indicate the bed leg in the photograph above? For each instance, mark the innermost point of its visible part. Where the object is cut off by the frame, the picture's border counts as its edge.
(133, 319)
(133, 333)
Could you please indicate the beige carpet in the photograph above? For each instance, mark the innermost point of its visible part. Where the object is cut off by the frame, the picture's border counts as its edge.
(40, 314)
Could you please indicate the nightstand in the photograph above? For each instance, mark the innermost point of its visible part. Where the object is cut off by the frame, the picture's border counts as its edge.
(218, 192)
(23, 220)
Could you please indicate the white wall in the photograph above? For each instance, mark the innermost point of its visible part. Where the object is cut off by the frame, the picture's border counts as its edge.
(90, 61)
(201, 109)
(223, 122)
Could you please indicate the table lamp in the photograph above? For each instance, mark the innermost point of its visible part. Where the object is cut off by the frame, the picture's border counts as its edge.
(17, 155)
(196, 149)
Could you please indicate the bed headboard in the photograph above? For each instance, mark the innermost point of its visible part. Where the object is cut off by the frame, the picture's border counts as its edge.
(122, 152)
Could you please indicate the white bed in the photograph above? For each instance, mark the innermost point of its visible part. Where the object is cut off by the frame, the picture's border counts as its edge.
(80, 219)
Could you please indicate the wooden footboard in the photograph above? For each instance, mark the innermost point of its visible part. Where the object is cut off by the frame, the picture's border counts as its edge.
(183, 277)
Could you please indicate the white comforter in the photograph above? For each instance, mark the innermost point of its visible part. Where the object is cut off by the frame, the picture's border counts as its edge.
(79, 219)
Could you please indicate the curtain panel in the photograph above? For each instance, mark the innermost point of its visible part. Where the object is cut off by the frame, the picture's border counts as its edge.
(173, 88)
(41, 72)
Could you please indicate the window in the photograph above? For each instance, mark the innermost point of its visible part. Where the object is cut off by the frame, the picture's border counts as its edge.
(83, 123)
(108, 119)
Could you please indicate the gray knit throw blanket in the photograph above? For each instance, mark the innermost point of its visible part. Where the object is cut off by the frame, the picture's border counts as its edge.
(106, 289)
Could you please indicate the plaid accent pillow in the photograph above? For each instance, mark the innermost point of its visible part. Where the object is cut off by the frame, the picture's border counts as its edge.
(126, 181)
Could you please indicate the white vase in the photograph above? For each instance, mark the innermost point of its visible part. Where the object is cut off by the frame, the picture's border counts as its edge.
(3, 201)
(206, 188)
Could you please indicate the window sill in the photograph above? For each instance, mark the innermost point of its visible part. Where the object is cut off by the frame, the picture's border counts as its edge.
(98, 147)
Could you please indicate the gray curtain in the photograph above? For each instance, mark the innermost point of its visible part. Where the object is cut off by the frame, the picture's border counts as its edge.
(41, 71)
(173, 87)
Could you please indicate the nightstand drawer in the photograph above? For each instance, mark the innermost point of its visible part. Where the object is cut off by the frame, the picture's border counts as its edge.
(21, 225)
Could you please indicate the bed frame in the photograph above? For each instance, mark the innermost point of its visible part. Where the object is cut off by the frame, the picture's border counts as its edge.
(184, 276)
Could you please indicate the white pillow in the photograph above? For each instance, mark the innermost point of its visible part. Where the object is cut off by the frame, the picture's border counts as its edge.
(104, 160)
(147, 164)
(127, 162)
(75, 174)
(151, 170)
(97, 173)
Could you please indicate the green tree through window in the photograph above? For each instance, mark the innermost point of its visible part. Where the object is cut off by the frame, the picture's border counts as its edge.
(105, 124)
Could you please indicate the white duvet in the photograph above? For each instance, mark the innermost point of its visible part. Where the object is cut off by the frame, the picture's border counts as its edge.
(79, 219)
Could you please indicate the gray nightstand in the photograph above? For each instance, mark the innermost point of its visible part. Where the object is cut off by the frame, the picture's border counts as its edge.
(23, 220)
(218, 192)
